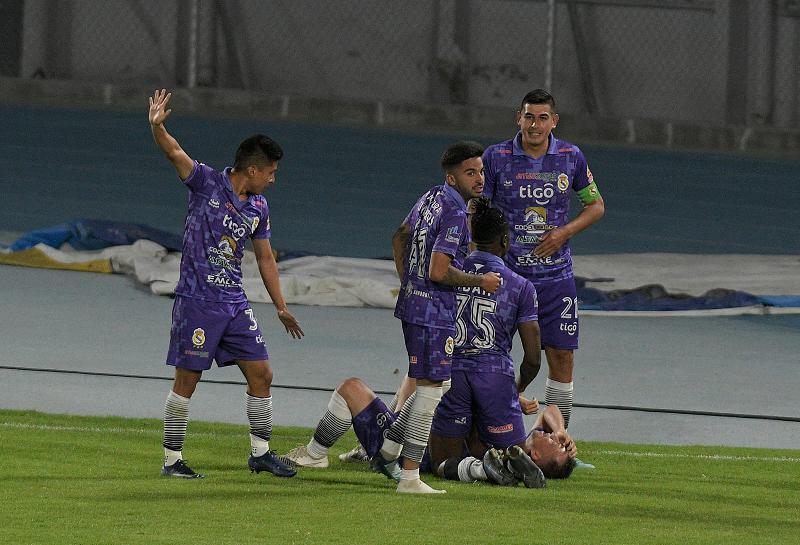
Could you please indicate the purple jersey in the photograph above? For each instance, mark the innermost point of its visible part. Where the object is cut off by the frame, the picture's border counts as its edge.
(534, 196)
(438, 223)
(486, 322)
(217, 227)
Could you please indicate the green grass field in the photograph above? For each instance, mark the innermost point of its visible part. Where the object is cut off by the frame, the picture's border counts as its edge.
(87, 480)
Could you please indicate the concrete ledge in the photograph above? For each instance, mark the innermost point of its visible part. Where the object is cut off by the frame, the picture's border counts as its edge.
(466, 120)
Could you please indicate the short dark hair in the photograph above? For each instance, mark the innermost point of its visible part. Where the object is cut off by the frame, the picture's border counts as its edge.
(538, 96)
(257, 150)
(456, 153)
(487, 224)
(553, 470)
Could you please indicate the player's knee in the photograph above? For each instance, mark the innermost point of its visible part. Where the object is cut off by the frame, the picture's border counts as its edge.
(427, 399)
(350, 387)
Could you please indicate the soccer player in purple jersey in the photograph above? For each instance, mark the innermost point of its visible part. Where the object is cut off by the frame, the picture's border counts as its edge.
(428, 248)
(512, 305)
(211, 318)
(530, 178)
(484, 398)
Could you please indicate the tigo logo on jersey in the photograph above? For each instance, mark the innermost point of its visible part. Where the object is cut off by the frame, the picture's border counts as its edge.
(198, 337)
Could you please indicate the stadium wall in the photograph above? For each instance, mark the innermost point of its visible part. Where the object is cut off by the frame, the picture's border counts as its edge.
(686, 73)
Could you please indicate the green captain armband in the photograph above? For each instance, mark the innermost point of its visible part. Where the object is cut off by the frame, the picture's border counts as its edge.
(589, 194)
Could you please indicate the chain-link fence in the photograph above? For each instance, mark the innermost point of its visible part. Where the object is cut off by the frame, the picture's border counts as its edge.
(699, 61)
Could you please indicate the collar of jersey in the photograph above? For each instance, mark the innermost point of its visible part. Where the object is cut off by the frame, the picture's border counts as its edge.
(487, 257)
(455, 196)
(229, 187)
(516, 145)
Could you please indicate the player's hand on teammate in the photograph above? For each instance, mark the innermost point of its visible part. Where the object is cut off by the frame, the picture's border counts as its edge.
(290, 323)
(490, 282)
(529, 406)
(158, 107)
(551, 242)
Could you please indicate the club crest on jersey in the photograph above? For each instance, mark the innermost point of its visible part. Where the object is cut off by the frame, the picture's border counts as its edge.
(449, 344)
(198, 337)
(563, 182)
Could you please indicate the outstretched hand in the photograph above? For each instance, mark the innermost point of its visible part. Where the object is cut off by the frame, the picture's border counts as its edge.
(158, 107)
(291, 324)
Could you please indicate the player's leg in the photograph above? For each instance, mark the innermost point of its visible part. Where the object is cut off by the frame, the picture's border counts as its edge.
(243, 344)
(559, 326)
(176, 419)
(430, 352)
(559, 389)
(406, 390)
(194, 335)
(258, 403)
(452, 421)
(350, 398)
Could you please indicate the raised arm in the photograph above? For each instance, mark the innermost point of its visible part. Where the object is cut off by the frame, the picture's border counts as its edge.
(157, 115)
(268, 269)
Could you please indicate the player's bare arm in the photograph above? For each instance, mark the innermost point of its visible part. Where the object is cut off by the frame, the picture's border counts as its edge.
(532, 354)
(268, 269)
(399, 243)
(443, 272)
(555, 239)
(531, 363)
(551, 420)
(157, 115)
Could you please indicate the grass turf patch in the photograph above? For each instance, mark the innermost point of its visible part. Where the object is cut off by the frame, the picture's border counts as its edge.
(68, 479)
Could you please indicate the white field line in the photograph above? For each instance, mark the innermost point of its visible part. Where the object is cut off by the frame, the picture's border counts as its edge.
(86, 429)
(711, 457)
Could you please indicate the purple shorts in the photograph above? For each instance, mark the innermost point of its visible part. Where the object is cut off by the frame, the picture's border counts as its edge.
(490, 400)
(430, 351)
(370, 425)
(204, 330)
(558, 312)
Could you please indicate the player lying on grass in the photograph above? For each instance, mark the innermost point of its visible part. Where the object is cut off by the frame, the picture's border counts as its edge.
(548, 446)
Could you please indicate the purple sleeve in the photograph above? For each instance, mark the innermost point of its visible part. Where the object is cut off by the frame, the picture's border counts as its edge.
(582, 176)
(452, 234)
(489, 178)
(528, 308)
(264, 229)
(200, 178)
